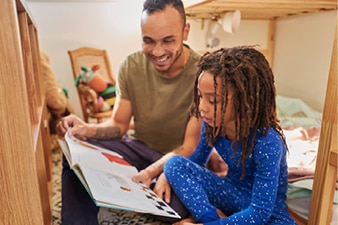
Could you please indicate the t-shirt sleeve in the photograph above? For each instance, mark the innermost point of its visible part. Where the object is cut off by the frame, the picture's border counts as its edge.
(122, 84)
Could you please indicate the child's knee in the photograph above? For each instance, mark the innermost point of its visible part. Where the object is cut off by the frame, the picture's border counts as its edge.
(173, 165)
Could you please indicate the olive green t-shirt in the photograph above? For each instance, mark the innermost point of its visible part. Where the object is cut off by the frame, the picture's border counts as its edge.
(160, 105)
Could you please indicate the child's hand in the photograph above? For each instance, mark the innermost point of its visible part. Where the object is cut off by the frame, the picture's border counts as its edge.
(217, 165)
(187, 221)
(162, 188)
(143, 177)
(190, 221)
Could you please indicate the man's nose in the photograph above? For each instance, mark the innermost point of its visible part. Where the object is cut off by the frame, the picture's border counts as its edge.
(158, 49)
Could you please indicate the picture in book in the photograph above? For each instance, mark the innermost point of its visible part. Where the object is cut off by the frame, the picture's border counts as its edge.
(107, 178)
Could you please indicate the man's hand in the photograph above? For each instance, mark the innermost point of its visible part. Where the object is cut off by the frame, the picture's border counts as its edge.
(74, 125)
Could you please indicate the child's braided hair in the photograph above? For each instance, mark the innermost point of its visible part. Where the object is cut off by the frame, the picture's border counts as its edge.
(247, 71)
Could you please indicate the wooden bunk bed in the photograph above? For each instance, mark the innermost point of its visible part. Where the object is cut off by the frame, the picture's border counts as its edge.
(325, 177)
(257, 9)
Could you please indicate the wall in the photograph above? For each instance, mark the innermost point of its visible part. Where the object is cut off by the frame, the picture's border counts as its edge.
(64, 26)
(114, 26)
(303, 55)
(249, 33)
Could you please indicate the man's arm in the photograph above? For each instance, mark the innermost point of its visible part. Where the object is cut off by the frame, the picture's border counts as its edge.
(118, 124)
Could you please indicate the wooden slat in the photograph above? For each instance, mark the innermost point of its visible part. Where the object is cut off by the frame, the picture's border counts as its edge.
(20, 198)
(36, 62)
(259, 9)
(28, 65)
(42, 175)
(326, 171)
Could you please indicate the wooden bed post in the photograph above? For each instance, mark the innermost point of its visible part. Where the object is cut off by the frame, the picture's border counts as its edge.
(326, 167)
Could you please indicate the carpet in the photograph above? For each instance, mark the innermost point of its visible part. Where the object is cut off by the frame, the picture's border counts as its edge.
(105, 216)
(56, 180)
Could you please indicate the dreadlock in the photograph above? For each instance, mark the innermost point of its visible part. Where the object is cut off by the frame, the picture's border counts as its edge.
(248, 73)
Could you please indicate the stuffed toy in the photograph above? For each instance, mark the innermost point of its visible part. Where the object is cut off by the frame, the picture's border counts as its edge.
(106, 92)
(56, 97)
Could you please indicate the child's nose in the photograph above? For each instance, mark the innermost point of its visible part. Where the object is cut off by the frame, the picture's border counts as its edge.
(202, 107)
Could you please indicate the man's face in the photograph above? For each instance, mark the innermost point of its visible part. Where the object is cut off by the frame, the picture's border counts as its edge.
(163, 34)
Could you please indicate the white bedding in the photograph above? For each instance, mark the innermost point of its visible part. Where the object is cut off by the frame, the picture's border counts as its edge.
(301, 125)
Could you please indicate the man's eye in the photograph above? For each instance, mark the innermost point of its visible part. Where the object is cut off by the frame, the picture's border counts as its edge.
(148, 41)
(168, 41)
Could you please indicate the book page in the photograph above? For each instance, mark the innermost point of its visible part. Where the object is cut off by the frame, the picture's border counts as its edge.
(63, 145)
(107, 178)
(85, 154)
(112, 190)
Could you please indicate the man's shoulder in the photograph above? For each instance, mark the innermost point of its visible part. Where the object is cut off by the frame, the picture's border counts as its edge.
(194, 57)
(194, 54)
(136, 56)
(134, 61)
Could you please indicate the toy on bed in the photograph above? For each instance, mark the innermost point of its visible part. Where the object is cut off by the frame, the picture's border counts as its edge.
(104, 90)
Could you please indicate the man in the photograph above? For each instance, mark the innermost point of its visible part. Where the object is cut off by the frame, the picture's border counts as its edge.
(155, 87)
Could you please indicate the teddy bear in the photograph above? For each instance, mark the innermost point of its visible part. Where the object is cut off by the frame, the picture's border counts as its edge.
(56, 97)
(105, 90)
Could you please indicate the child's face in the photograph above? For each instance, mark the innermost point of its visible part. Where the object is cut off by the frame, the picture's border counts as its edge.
(206, 92)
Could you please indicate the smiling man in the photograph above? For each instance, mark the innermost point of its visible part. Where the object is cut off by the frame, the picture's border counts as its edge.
(155, 87)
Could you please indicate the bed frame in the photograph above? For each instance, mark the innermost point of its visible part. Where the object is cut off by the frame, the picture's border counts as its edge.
(256, 9)
(325, 178)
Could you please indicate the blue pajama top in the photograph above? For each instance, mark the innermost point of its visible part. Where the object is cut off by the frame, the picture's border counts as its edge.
(257, 199)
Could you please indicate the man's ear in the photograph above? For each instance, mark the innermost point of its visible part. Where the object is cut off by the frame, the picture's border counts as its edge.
(186, 30)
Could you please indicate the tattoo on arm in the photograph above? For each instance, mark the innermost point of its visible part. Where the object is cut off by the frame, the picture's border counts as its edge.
(106, 133)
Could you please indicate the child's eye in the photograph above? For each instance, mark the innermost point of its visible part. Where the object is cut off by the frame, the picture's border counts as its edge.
(214, 101)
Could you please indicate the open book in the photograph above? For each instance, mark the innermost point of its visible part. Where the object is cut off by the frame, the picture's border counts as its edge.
(107, 178)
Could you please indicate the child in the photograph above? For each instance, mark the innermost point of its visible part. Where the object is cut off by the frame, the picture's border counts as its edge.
(234, 95)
